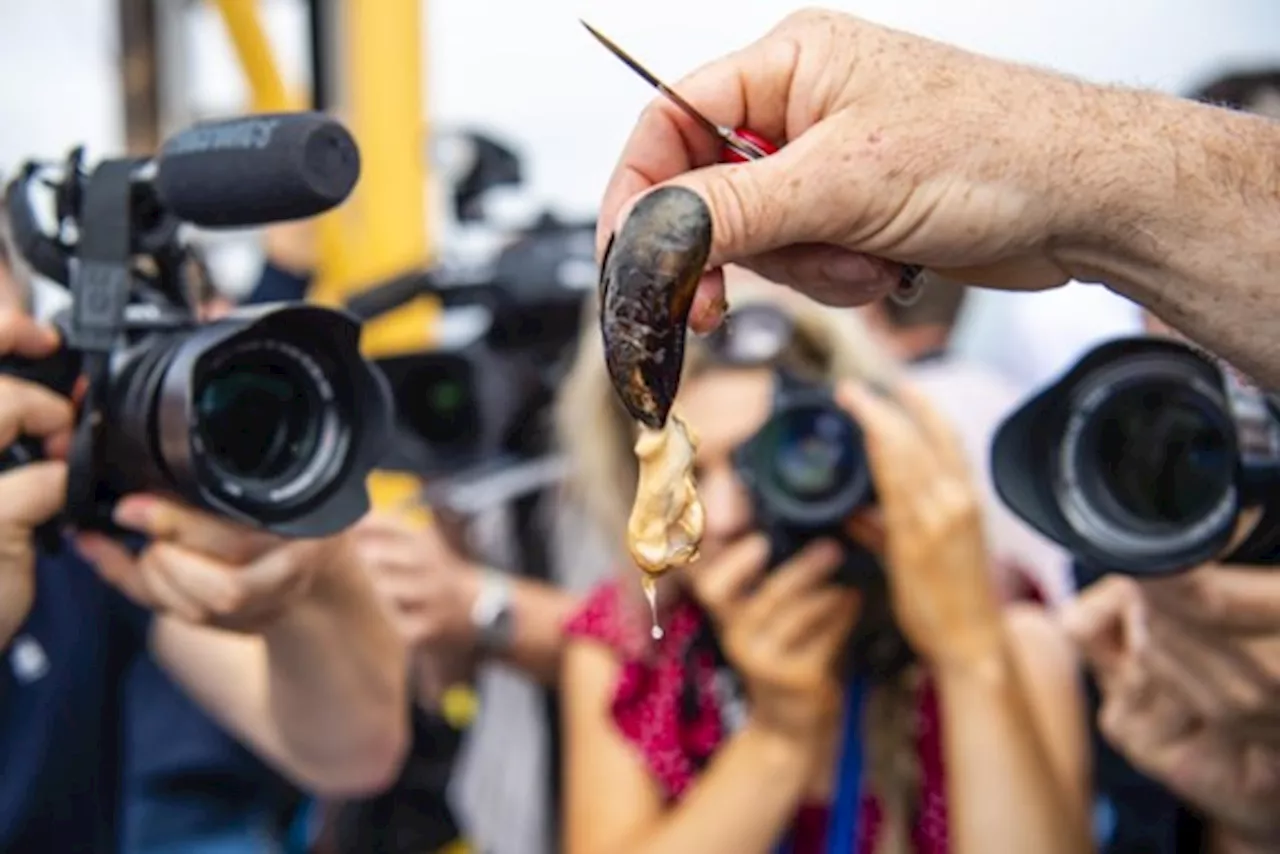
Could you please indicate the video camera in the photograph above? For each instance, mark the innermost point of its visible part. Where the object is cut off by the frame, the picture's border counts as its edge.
(1142, 458)
(474, 412)
(268, 416)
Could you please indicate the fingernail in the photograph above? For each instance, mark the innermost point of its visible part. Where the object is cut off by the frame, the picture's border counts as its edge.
(135, 512)
(851, 267)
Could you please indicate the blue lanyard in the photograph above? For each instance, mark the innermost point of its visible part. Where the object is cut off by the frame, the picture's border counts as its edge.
(842, 828)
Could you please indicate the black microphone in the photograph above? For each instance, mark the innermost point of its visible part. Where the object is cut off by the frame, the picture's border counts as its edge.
(257, 170)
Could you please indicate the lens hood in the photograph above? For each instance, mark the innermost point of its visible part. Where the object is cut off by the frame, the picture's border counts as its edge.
(1053, 467)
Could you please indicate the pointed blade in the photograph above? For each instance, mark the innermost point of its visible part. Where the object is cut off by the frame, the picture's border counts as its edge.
(653, 81)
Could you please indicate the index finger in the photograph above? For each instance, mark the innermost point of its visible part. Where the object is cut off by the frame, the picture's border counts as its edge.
(192, 529)
(1106, 622)
(749, 88)
(21, 335)
(1222, 598)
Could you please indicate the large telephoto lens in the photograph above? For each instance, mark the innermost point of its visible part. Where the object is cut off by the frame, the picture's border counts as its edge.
(1147, 464)
(270, 417)
(1163, 460)
(806, 464)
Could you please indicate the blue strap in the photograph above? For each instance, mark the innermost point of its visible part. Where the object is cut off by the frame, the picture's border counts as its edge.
(842, 831)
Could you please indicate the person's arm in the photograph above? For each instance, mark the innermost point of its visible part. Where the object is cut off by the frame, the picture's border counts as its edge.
(1185, 218)
(320, 694)
(538, 612)
(1016, 744)
(740, 804)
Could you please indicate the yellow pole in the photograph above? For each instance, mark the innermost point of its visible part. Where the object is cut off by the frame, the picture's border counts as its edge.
(253, 48)
(384, 225)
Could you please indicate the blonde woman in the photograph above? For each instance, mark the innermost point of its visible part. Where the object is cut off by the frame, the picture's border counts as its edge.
(972, 742)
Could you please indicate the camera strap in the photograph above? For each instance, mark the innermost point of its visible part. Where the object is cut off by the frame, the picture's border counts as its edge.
(843, 822)
(100, 289)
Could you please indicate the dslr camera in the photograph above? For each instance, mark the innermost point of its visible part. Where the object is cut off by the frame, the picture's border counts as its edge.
(807, 475)
(268, 416)
(1143, 458)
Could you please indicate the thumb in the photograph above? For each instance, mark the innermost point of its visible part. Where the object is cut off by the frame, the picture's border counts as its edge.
(755, 207)
(34, 493)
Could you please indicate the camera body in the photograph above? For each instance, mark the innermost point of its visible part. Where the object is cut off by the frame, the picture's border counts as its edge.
(1142, 458)
(807, 474)
(268, 416)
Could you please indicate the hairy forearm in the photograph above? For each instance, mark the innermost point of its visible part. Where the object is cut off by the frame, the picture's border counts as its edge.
(540, 612)
(1185, 203)
(742, 804)
(337, 688)
(1003, 790)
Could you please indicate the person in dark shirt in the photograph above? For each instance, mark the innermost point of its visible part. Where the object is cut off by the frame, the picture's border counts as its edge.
(197, 789)
(283, 642)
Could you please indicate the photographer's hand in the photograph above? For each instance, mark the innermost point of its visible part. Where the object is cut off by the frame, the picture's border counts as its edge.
(1147, 716)
(34, 493)
(282, 640)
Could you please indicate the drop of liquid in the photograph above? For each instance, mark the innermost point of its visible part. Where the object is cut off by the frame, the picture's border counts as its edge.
(651, 593)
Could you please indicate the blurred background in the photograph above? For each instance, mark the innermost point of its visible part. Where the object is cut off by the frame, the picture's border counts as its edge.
(529, 77)
(410, 76)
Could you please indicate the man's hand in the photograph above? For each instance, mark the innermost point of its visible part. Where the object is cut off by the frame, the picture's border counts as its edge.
(34, 493)
(427, 588)
(206, 570)
(1148, 717)
(894, 147)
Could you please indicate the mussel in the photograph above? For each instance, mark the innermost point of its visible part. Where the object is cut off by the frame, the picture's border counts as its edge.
(648, 279)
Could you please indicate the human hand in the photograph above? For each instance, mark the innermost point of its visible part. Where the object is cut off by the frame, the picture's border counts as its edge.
(31, 494)
(1215, 634)
(426, 587)
(1149, 718)
(929, 527)
(783, 632)
(895, 147)
(207, 570)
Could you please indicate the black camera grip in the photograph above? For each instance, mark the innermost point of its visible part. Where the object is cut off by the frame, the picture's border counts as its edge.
(57, 373)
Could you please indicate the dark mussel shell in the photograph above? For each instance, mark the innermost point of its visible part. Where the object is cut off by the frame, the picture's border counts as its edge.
(647, 283)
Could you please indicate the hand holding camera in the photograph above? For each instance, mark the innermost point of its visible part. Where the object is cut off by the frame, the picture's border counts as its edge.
(30, 495)
(782, 630)
(1152, 709)
(939, 574)
(426, 586)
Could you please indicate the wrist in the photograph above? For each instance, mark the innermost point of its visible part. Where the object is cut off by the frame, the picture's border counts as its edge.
(489, 596)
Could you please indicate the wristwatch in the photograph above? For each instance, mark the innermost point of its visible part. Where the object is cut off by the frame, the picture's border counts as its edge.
(492, 614)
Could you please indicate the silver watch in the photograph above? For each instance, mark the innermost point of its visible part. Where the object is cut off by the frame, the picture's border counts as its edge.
(492, 614)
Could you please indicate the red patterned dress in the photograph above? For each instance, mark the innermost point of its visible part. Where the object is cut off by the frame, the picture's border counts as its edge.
(649, 708)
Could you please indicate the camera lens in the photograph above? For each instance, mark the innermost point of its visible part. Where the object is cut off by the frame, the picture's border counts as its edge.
(813, 453)
(257, 416)
(1162, 459)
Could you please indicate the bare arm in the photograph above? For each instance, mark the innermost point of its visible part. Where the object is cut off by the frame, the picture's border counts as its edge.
(1187, 219)
(1016, 745)
(320, 694)
(1222, 841)
(739, 805)
(540, 611)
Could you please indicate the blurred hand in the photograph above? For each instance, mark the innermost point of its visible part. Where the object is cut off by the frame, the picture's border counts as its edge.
(427, 588)
(782, 631)
(1215, 635)
(1148, 716)
(207, 570)
(896, 147)
(34, 493)
(931, 536)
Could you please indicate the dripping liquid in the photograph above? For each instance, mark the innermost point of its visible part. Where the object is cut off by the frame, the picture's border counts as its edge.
(651, 594)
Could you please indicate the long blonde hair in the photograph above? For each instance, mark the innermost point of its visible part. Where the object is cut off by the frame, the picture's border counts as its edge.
(597, 435)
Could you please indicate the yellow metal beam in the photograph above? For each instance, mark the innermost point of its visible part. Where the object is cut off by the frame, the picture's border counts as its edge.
(384, 229)
(253, 48)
